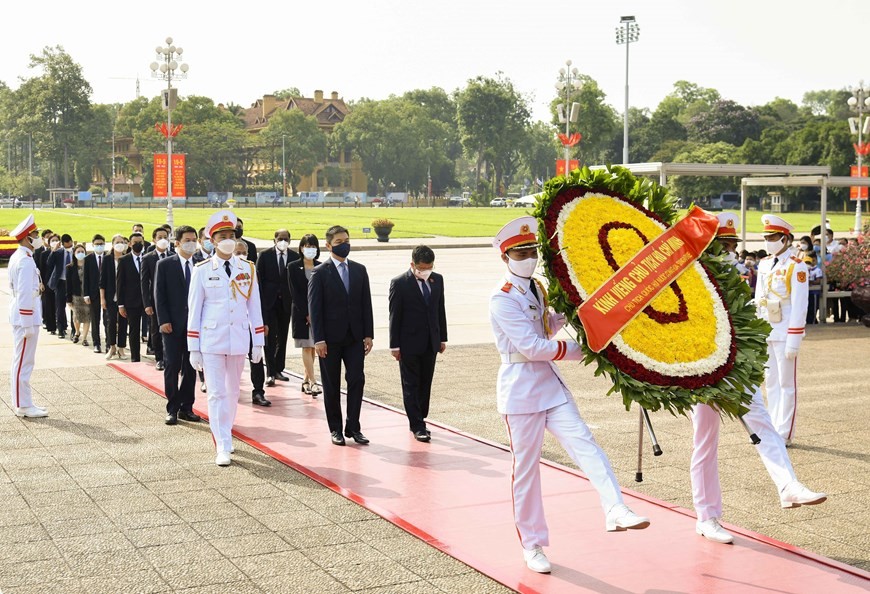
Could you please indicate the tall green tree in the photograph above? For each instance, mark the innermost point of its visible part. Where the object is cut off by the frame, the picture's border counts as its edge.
(294, 138)
(492, 118)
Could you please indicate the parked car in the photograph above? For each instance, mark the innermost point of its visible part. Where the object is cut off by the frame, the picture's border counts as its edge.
(459, 201)
(498, 202)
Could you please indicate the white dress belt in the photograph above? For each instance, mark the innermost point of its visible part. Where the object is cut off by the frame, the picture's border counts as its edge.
(513, 358)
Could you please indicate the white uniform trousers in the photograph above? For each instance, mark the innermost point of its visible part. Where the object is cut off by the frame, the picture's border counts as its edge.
(780, 379)
(706, 490)
(23, 356)
(223, 373)
(526, 434)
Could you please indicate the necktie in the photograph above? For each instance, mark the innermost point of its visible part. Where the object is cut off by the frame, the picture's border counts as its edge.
(138, 263)
(66, 258)
(342, 270)
(163, 255)
(534, 289)
(427, 294)
(282, 266)
(227, 268)
(187, 273)
(99, 263)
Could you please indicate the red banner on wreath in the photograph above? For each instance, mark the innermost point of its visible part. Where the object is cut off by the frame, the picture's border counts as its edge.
(857, 192)
(631, 288)
(560, 166)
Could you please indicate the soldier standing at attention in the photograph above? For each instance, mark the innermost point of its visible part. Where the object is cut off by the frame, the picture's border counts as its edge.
(532, 396)
(25, 317)
(781, 295)
(224, 316)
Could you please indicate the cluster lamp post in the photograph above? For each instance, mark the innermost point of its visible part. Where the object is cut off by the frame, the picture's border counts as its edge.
(627, 33)
(859, 102)
(568, 82)
(166, 69)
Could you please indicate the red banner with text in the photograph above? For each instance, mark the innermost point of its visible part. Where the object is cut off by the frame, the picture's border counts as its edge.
(857, 192)
(631, 288)
(161, 175)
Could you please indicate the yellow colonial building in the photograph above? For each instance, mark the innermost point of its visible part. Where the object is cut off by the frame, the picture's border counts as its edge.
(341, 172)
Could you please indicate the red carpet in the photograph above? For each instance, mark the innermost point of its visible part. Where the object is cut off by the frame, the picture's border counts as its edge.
(454, 494)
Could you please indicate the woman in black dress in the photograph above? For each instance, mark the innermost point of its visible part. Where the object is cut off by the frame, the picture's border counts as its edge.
(299, 272)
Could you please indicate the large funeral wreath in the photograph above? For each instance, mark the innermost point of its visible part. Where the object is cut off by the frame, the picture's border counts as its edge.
(699, 340)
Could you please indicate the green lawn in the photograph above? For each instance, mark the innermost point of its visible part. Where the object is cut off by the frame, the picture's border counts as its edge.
(262, 222)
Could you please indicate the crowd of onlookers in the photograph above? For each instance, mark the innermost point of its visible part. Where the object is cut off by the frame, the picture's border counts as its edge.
(808, 248)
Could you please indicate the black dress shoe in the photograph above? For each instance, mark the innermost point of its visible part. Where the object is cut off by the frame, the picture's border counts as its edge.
(191, 416)
(160, 366)
(171, 419)
(97, 348)
(260, 399)
(61, 334)
(270, 381)
(357, 437)
(422, 436)
(282, 377)
(149, 351)
(337, 439)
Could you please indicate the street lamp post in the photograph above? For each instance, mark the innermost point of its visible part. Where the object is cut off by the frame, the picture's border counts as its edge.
(166, 70)
(568, 112)
(859, 102)
(284, 165)
(626, 34)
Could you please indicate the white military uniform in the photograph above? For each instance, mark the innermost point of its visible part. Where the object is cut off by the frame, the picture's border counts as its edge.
(784, 280)
(532, 396)
(25, 317)
(706, 488)
(223, 315)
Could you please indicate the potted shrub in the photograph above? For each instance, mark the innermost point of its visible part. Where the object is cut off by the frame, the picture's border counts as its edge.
(383, 228)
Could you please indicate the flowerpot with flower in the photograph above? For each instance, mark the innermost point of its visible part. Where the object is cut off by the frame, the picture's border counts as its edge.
(850, 269)
(383, 227)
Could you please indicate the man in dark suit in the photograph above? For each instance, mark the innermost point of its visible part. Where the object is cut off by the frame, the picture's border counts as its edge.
(149, 263)
(116, 326)
(275, 299)
(418, 332)
(129, 292)
(252, 249)
(93, 268)
(342, 325)
(57, 267)
(171, 284)
(40, 257)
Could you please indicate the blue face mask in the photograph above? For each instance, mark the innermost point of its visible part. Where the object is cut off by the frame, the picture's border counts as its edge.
(817, 248)
(341, 250)
(208, 246)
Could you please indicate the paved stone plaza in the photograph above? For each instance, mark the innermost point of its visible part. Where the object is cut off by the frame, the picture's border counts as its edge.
(103, 497)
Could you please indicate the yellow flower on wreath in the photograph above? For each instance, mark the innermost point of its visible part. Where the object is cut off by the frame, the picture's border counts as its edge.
(687, 341)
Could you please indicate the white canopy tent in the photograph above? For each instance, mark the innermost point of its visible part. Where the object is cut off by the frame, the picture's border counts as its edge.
(812, 181)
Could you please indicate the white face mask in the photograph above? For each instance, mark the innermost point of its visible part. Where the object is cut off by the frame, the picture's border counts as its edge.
(282, 245)
(523, 268)
(80, 255)
(750, 263)
(162, 244)
(99, 249)
(805, 246)
(773, 247)
(36, 242)
(226, 246)
(422, 274)
(54, 243)
(731, 257)
(309, 252)
(188, 247)
(120, 248)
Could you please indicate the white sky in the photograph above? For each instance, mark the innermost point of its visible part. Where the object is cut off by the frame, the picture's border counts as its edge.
(750, 50)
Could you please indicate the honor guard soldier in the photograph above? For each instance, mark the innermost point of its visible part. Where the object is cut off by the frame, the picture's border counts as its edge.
(781, 295)
(25, 317)
(224, 316)
(533, 396)
(706, 489)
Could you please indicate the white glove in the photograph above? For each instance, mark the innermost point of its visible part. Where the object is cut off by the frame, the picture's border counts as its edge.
(256, 354)
(196, 360)
(791, 354)
(30, 331)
